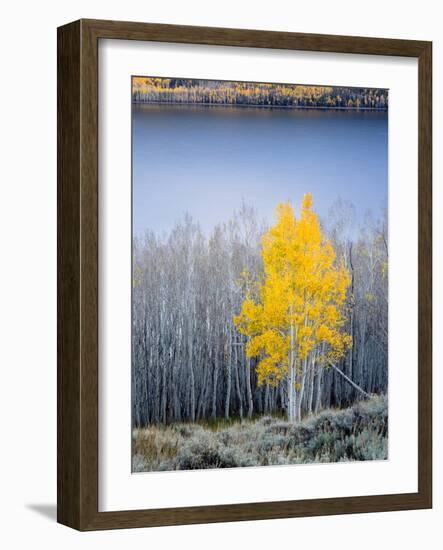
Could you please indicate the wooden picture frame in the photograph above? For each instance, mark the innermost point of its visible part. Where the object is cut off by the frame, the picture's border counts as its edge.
(77, 455)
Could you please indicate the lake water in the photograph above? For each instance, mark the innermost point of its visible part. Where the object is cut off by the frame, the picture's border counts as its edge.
(204, 160)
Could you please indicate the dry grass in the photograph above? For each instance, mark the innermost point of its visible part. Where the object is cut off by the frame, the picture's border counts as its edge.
(357, 433)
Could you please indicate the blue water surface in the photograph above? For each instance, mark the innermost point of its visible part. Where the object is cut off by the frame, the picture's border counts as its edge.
(205, 160)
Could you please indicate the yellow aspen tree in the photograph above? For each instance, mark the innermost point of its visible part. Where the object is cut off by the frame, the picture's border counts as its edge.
(296, 318)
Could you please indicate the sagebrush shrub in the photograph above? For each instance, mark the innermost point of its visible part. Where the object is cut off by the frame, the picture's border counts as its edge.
(353, 434)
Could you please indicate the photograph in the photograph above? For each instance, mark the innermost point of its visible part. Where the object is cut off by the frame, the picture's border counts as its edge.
(260, 274)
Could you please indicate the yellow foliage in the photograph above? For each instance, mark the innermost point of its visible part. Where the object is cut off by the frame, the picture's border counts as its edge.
(299, 307)
(218, 89)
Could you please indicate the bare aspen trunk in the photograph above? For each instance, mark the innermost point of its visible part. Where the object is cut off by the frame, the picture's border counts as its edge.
(267, 407)
(248, 387)
(282, 396)
(157, 381)
(351, 382)
(201, 409)
(311, 384)
(214, 387)
(290, 383)
(192, 384)
(135, 405)
(319, 388)
(163, 405)
(191, 377)
(291, 394)
(292, 375)
(176, 413)
(351, 349)
(228, 379)
(207, 390)
(237, 384)
(302, 389)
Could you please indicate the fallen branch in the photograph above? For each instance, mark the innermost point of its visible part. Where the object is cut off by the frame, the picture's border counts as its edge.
(353, 384)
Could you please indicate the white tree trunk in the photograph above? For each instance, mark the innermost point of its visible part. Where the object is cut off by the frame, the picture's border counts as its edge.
(292, 394)
(302, 388)
(291, 377)
(228, 378)
(248, 387)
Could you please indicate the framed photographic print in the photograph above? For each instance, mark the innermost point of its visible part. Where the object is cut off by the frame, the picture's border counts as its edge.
(244, 275)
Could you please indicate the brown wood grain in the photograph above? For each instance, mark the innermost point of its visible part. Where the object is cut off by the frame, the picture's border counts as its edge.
(77, 274)
(425, 274)
(68, 275)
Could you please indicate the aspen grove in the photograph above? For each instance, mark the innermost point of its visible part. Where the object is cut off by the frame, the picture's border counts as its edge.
(252, 320)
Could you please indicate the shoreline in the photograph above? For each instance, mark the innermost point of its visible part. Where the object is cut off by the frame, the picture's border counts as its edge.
(257, 105)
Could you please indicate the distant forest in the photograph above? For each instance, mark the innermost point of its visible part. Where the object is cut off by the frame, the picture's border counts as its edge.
(216, 92)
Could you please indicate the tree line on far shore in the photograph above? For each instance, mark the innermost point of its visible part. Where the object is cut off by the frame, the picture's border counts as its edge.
(214, 92)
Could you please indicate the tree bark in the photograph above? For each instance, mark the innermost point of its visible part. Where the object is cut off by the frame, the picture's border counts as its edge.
(248, 387)
(214, 387)
(319, 388)
(228, 379)
(237, 384)
(353, 384)
(302, 389)
(292, 375)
